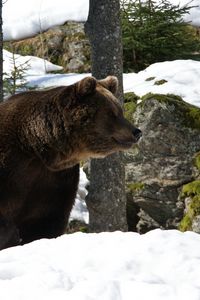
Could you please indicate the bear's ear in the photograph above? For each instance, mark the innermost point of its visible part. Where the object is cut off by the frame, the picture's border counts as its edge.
(110, 83)
(86, 86)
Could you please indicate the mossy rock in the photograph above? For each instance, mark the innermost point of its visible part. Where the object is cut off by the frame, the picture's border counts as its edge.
(186, 223)
(77, 226)
(130, 104)
(150, 78)
(131, 97)
(129, 109)
(160, 82)
(162, 97)
(197, 161)
(135, 186)
(191, 190)
(189, 115)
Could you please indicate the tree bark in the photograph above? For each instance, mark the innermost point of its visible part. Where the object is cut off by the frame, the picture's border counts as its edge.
(1, 54)
(106, 199)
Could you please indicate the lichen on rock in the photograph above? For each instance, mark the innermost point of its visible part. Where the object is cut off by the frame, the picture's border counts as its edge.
(135, 186)
(191, 194)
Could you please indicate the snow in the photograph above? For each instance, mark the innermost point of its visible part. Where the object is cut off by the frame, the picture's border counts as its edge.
(160, 265)
(33, 65)
(50, 80)
(35, 16)
(80, 211)
(182, 78)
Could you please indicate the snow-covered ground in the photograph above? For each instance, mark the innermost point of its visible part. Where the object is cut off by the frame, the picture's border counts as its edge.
(182, 78)
(35, 16)
(160, 265)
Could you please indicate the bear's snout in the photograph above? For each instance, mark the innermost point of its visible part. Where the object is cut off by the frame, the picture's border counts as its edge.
(137, 133)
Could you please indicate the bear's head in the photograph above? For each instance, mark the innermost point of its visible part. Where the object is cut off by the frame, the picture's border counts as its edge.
(98, 127)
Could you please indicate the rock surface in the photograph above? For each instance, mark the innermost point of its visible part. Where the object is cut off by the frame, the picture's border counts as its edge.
(190, 195)
(64, 45)
(162, 163)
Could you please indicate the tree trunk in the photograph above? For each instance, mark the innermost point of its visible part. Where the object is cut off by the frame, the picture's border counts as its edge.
(1, 54)
(106, 199)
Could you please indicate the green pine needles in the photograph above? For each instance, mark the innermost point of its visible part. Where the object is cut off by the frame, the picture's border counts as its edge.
(155, 31)
(15, 80)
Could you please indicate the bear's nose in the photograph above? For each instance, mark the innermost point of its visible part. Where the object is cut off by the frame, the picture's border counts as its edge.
(137, 133)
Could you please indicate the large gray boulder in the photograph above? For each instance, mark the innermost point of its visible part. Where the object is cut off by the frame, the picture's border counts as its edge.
(162, 163)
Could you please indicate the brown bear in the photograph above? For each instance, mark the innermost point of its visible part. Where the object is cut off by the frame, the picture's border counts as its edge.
(43, 137)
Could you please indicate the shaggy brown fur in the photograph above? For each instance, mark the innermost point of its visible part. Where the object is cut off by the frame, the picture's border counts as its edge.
(43, 137)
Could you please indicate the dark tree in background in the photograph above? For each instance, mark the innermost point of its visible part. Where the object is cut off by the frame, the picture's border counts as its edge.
(1, 54)
(106, 199)
(155, 31)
